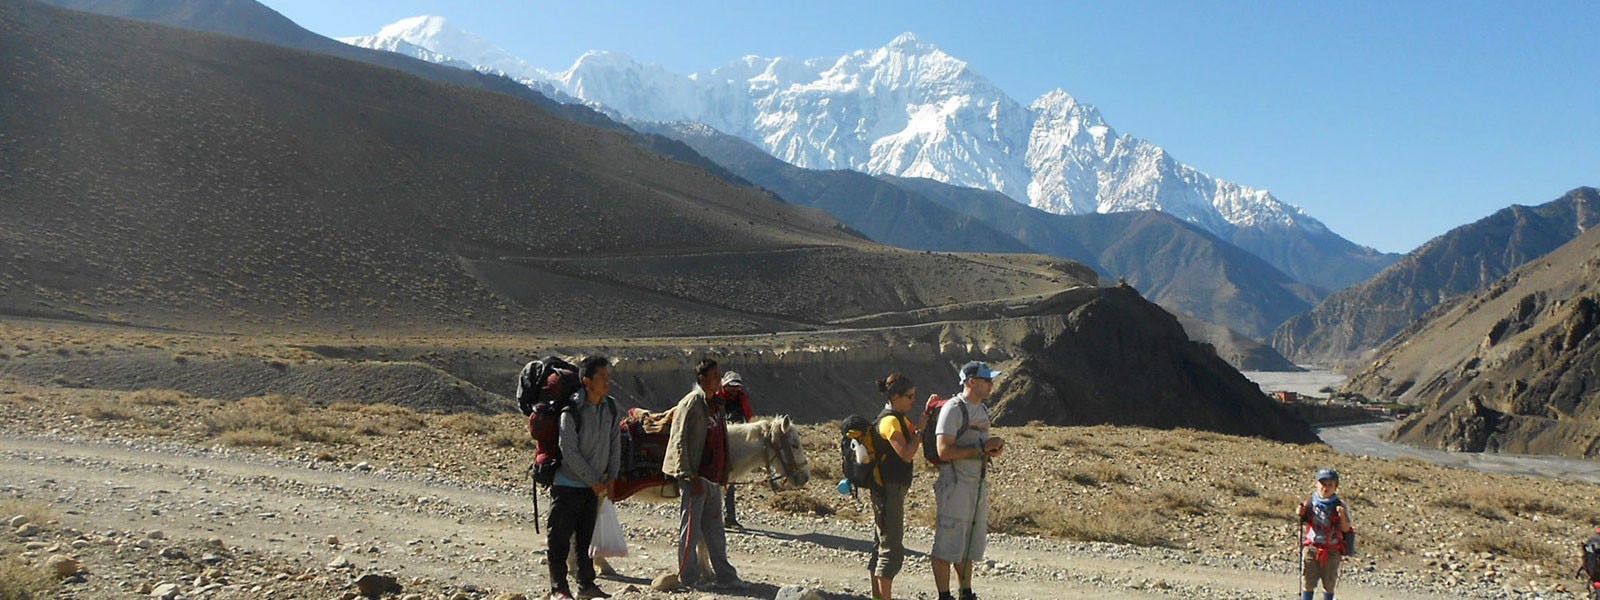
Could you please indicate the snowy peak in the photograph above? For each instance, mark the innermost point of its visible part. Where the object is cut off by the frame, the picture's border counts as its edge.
(910, 109)
(434, 39)
(420, 27)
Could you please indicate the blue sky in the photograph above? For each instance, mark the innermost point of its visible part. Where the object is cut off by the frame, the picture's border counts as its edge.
(1392, 122)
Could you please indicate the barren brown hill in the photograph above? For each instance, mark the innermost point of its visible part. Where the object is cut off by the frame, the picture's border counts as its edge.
(357, 224)
(1360, 318)
(1508, 369)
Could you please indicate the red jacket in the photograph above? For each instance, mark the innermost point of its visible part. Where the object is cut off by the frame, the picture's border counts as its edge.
(736, 405)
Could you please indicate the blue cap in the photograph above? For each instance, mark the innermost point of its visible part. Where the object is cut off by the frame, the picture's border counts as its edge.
(980, 370)
(1327, 473)
(844, 486)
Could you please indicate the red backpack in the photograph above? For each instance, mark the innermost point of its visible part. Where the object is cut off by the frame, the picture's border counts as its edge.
(930, 426)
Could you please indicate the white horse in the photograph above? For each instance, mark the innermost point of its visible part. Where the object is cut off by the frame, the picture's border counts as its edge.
(770, 445)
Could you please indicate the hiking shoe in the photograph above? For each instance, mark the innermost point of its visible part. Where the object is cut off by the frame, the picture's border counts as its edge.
(729, 582)
(968, 595)
(591, 591)
(560, 595)
(732, 524)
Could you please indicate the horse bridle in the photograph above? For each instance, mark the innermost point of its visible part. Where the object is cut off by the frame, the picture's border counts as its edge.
(778, 451)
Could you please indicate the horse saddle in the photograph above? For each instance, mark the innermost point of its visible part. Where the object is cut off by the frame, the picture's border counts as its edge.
(644, 450)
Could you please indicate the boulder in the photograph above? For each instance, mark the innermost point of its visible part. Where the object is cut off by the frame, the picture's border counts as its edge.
(373, 585)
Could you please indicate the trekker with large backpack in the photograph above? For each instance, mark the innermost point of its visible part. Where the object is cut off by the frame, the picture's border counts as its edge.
(895, 447)
(1328, 535)
(1589, 563)
(590, 441)
(965, 448)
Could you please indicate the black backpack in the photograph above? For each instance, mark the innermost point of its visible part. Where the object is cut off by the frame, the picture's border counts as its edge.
(548, 378)
(857, 435)
(1591, 559)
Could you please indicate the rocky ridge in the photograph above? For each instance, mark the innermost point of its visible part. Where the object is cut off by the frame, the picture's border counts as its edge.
(1508, 369)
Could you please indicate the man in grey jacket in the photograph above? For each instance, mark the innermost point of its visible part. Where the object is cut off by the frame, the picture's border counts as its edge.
(591, 456)
(697, 455)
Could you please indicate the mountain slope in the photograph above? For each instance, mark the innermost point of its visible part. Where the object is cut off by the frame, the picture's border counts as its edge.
(1511, 368)
(1212, 281)
(1465, 259)
(909, 109)
(159, 178)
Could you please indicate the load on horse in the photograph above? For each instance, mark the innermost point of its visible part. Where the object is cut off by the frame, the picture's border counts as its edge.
(771, 445)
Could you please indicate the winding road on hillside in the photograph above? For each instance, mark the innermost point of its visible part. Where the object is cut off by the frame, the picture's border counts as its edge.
(429, 525)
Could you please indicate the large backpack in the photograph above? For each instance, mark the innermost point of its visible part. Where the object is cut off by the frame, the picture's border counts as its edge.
(930, 426)
(1341, 542)
(544, 391)
(548, 378)
(858, 453)
(1590, 566)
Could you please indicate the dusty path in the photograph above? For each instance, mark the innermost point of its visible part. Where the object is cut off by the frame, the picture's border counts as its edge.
(479, 537)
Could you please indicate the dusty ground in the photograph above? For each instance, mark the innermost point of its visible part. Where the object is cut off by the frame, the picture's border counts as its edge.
(440, 502)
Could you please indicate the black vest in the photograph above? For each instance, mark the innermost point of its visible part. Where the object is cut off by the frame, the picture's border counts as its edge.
(894, 470)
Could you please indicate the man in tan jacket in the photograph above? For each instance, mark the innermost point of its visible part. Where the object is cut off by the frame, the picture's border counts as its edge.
(697, 455)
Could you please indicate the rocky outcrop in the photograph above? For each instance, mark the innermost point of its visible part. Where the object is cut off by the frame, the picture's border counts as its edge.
(1509, 369)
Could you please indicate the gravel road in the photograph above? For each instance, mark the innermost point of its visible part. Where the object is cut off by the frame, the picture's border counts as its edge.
(336, 522)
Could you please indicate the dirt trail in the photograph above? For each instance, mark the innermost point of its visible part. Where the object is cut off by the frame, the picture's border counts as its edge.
(424, 525)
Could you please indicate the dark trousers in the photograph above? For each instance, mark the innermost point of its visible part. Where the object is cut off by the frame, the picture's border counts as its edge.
(727, 506)
(572, 514)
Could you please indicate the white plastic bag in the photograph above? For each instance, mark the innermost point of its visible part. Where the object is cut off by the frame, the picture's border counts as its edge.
(608, 539)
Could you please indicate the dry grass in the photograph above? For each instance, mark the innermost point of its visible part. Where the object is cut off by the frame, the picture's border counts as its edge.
(1267, 509)
(469, 423)
(106, 410)
(19, 580)
(158, 397)
(36, 512)
(799, 502)
(273, 420)
(1499, 504)
(1096, 474)
(1512, 542)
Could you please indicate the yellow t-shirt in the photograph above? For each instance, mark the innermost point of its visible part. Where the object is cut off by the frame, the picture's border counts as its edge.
(890, 425)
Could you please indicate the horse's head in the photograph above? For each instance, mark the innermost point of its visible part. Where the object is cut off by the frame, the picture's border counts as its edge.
(788, 456)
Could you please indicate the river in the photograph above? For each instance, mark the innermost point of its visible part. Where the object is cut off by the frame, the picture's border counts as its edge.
(1367, 439)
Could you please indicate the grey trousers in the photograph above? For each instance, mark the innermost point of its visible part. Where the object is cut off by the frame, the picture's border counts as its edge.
(700, 519)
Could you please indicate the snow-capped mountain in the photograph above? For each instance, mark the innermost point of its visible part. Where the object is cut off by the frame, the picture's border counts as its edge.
(909, 109)
(433, 39)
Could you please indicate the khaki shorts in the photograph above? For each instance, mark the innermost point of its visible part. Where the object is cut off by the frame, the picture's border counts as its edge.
(1312, 570)
(962, 530)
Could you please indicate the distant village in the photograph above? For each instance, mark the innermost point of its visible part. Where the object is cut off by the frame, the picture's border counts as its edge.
(1339, 407)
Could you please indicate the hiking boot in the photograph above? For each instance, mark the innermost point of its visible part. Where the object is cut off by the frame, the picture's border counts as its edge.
(591, 591)
(968, 595)
(729, 582)
(732, 524)
(560, 595)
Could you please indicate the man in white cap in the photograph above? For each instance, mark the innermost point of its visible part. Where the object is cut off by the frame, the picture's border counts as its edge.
(961, 491)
